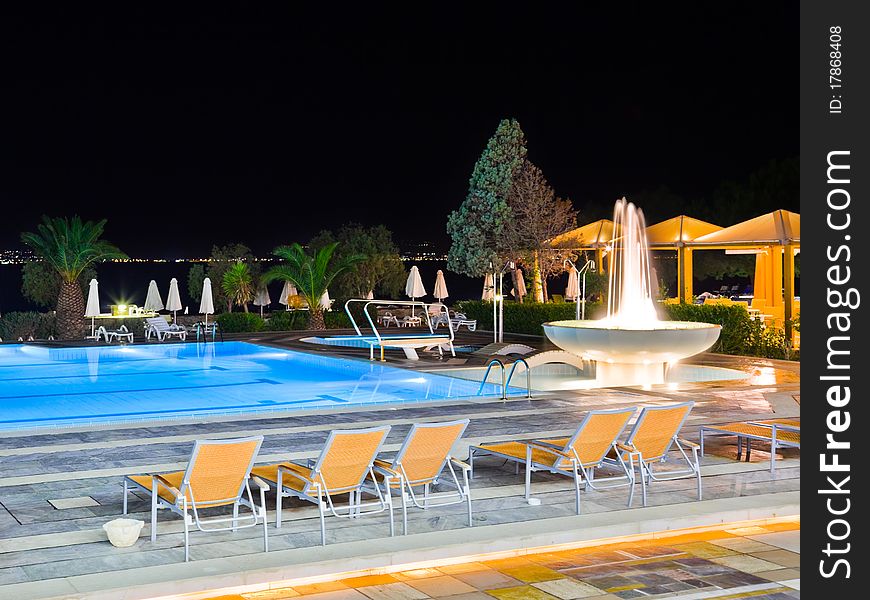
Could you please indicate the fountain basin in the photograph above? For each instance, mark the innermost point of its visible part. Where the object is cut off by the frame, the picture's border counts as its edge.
(632, 355)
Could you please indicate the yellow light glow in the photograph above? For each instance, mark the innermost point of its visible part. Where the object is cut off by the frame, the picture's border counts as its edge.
(441, 562)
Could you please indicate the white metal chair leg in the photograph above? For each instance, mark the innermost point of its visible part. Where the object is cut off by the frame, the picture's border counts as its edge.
(125, 497)
(154, 511)
(235, 516)
(279, 496)
(576, 488)
(467, 492)
(528, 472)
(265, 521)
(186, 533)
(322, 507)
(632, 480)
(643, 479)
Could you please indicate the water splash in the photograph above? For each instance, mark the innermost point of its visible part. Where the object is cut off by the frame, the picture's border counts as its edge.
(629, 298)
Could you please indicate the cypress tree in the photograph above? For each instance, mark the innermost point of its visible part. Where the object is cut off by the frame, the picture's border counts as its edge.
(475, 228)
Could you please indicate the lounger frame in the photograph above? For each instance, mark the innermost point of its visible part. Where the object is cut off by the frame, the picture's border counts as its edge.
(581, 473)
(244, 497)
(773, 439)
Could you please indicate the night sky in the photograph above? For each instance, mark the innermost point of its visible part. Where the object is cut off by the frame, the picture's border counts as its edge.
(191, 129)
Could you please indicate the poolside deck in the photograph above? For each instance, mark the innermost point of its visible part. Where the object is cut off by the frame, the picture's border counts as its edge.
(57, 489)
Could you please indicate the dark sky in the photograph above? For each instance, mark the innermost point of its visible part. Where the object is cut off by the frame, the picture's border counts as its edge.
(188, 130)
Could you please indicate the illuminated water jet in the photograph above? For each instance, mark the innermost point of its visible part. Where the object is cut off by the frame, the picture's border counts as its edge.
(631, 346)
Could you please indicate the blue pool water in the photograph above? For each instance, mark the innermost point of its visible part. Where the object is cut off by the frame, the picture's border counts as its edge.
(73, 386)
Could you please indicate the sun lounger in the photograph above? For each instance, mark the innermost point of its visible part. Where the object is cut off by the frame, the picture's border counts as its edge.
(576, 457)
(656, 430)
(344, 463)
(161, 329)
(218, 474)
(122, 333)
(460, 319)
(420, 462)
(779, 433)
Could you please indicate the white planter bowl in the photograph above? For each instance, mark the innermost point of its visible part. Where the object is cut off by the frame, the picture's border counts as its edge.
(123, 532)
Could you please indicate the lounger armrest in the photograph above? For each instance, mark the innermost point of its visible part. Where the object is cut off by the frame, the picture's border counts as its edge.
(626, 447)
(550, 449)
(386, 471)
(294, 473)
(688, 443)
(165, 483)
(462, 465)
(262, 485)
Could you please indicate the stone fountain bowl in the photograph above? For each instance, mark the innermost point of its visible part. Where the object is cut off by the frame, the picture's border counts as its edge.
(660, 342)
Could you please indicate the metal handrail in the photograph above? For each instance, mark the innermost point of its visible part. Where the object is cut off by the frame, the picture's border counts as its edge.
(528, 376)
(495, 361)
(411, 303)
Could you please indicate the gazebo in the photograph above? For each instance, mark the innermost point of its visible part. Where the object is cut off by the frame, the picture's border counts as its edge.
(775, 238)
(676, 234)
(593, 237)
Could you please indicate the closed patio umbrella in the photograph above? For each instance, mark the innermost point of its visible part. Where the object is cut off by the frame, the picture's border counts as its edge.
(488, 288)
(520, 289)
(288, 290)
(414, 286)
(173, 300)
(262, 299)
(440, 291)
(153, 301)
(572, 292)
(206, 305)
(325, 303)
(93, 307)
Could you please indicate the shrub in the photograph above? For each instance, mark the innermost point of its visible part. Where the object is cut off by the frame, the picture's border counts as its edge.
(336, 319)
(23, 325)
(737, 327)
(527, 317)
(287, 320)
(240, 322)
(740, 334)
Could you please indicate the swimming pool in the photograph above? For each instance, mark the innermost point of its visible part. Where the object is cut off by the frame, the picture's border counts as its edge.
(42, 386)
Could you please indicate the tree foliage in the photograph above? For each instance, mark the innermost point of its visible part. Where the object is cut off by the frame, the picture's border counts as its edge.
(476, 227)
(195, 277)
(238, 285)
(381, 270)
(537, 215)
(221, 260)
(40, 283)
(70, 246)
(312, 274)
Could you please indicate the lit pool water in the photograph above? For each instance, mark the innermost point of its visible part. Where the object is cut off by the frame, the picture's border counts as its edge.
(42, 386)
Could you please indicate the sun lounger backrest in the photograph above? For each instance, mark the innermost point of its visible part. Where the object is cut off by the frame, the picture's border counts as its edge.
(347, 456)
(596, 434)
(427, 448)
(656, 428)
(158, 322)
(218, 469)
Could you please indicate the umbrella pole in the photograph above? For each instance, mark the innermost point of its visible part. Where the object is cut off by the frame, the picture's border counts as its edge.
(92, 327)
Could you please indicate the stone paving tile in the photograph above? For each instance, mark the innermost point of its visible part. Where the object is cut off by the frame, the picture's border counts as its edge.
(524, 592)
(781, 557)
(487, 580)
(568, 589)
(532, 573)
(444, 585)
(392, 591)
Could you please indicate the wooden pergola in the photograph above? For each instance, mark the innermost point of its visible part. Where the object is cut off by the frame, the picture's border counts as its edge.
(593, 237)
(676, 234)
(775, 238)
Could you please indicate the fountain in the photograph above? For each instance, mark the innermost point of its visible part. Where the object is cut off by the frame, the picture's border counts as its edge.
(631, 346)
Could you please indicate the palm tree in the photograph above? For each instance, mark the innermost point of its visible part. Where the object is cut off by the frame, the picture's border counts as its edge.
(238, 285)
(70, 246)
(311, 274)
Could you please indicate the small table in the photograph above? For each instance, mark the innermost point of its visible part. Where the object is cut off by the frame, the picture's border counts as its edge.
(410, 321)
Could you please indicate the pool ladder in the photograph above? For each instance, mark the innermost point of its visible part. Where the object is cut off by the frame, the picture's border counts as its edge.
(505, 381)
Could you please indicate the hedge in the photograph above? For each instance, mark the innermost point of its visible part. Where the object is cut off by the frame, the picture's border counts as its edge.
(24, 325)
(739, 335)
(526, 317)
(240, 322)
